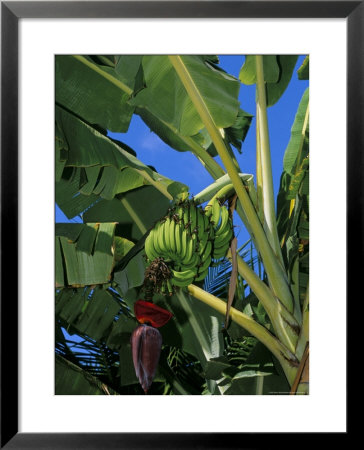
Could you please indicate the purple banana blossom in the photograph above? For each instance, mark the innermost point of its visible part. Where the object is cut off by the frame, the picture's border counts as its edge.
(146, 344)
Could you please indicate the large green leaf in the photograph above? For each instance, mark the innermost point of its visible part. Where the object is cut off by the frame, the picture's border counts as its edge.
(166, 98)
(278, 71)
(97, 93)
(297, 147)
(95, 166)
(68, 196)
(89, 311)
(85, 146)
(168, 133)
(88, 258)
(248, 75)
(72, 380)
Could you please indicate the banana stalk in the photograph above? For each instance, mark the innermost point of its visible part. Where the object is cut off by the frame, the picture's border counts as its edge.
(259, 174)
(265, 162)
(276, 275)
(284, 324)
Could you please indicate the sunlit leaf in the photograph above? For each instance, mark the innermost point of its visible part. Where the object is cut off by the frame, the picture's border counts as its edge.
(177, 109)
(297, 147)
(248, 75)
(278, 71)
(95, 92)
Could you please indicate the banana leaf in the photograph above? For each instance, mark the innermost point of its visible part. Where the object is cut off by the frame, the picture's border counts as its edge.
(177, 110)
(278, 71)
(297, 147)
(84, 254)
(234, 135)
(304, 70)
(96, 166)
(97, 93)
(89, 311)
(72, 380)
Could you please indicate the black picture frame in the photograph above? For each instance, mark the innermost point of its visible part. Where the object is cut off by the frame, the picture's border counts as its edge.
(11, 12)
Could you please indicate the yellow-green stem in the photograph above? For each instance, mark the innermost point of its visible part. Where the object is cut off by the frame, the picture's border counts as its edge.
(276, 275)
(259, 173)
(265, 162)
(284, 324)
(214, 169)
(285, 357)
(138, 222)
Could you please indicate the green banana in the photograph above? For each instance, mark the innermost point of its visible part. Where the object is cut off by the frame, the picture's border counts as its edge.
(192, 263)
(185, 283)
(161, 237)
(180, 212)
(189, 252)
(149, 246)
(172, 239)
(223, 237)
(167, 233)
(193, 218)
(206, 253)
(190, 239)
(224, 219)
(208, 209)
(203, 275)
(182, 279)
(158, 240)
(178, 238)
(205, 264)
(220, 251)
(186, 215)
(216, 211)
(183, 275)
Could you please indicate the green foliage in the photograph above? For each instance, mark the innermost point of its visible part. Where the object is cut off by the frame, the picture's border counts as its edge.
(303, 71)
(100, 263)
(178, 110)
(293, 204)
(84, 258)
(278, 71)
(72, 380)
(94, 92)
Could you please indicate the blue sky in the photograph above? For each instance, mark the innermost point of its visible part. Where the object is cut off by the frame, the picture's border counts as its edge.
(184, 167)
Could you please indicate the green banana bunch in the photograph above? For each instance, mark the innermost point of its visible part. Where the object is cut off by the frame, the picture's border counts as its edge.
(222, 225)
(187, 240)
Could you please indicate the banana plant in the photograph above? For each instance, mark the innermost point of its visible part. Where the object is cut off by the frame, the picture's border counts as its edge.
(142, 234)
